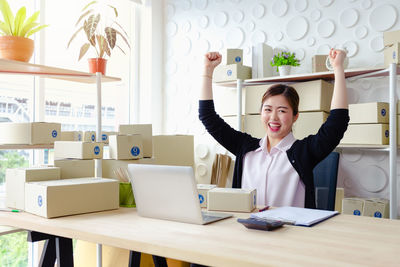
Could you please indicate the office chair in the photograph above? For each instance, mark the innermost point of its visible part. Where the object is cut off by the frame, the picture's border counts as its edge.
(325, 179)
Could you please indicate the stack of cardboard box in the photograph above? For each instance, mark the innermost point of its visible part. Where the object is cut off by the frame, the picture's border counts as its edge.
(391, 42)
(372, 207)
(232, 67)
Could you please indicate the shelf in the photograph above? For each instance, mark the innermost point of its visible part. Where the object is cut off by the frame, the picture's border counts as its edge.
(13, 147)
(327, 75)
(372, 147)
(22, 68)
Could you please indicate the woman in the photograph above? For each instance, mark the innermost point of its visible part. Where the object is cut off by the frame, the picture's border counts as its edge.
(278, 166)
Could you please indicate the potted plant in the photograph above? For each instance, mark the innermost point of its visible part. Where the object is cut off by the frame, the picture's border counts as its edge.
(283, 62)
(14, 42)
(101, 33)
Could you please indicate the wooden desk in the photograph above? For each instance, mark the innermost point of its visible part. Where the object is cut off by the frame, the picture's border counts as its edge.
(342, 240)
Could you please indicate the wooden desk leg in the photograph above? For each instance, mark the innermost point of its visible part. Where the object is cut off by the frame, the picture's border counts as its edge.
(159, 261)
(134, 259)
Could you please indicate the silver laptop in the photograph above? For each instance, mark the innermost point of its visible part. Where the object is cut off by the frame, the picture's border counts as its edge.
(169, 193)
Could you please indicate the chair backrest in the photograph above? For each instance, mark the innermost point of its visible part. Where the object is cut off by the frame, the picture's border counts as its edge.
(325, 179)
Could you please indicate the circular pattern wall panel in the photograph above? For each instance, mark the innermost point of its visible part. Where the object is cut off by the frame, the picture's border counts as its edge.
(258, 11)
(297, 28)
(301, 5)
(326, 28)
(234, 37)
(366, 4)
(220, 19)
(238, 16)
(250, 26)
(316, 15)
(323, 49)
(171, 29)
(349, 17)
(372, 178)
(186, 5)
(311, 41)
(361, 32)
(258, 37)
(278, 36)
(325, 3)
(376, 44)
(201, 4)
(202, 151)
(203, 22)
(170, 10)
(279, 8)
(383, 18)
(352, 48)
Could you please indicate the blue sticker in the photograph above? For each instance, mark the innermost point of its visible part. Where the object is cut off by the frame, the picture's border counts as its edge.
(356, 212)
(378, 214)
(40, 200)
(254, 199)
(238, 59)
(54, 133)
(93, 137)
(387, 133)
(383, 112)
(104, 137)
(201, 198)
(135, 151)
(394, 55)
(79, 137)
(96, 150)
(229, 72)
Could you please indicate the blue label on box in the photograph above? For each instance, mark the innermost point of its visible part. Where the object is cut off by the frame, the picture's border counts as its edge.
(383, 112)
(135, 151)
(201, 198)
(387, 133)
(238, 59)
(40, 200)
(255, 200)
(378, 214)
(356, 212)
(96, 150)
(79, 137)
(93, 137)
(229, 72)
(104, 137)
(394, 55)
(54, 133)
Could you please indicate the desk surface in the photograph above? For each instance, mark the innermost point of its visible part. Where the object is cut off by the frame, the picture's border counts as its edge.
(343, 239)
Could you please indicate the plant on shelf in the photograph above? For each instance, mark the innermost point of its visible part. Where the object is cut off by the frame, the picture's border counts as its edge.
(15, 30)
(101, 33)
(283, 61)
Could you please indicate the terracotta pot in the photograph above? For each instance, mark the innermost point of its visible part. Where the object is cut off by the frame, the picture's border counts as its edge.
(16, 48)
(97, 65)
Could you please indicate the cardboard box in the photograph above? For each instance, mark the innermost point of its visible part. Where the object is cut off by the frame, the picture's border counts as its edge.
(75, 168)
(318, 63)
(174, 150)
(15, 182)
(89, 136)
(376, 207)
(353, 206)
(232, 72)
(126, 146)
(106, 135)
(203, 191)
(253, 98)
(308, 123)
(232, 56)
(254, 126)
(391, 54)
(339, 199)
(366, 134)
(261, 58)
(314, 95)
(31, 133)
(225, 101)
(376, 112)
(57, 198)
(391, 37)
(78, 150)
(71, 136)
(231, 199)
(110, 166)
(145, 130)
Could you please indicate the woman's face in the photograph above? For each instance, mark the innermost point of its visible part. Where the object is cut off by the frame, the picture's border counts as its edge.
(277, 117)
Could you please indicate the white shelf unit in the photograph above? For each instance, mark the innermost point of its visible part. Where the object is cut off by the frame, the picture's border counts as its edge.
(350, 74)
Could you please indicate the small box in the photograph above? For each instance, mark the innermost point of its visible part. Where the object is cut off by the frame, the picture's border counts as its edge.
(391, 54)
(353, 206)
(376, 112)
(57, 198)
(232, 56)
(390, 38)
(126, 146)
(314, 95)
(89, 136)
(231, 199)
(318, 63)
(376, 207)
(71, 136)
(225, 101)
(261, 58)
(146, 130)
(110, 166)
(16, 178)
(106, 135)
(174, 150)
(203, 190)
(253, 98)
(75, 168)
(308, 123)
(29, 133)
(254, 126)
(232, 72)
(366, 134)
(339, 199)
(78, 150)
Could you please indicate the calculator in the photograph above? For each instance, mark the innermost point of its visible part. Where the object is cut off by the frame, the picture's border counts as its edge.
(261, 224)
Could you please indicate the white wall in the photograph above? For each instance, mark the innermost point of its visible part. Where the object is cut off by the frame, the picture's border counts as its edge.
(305, 27)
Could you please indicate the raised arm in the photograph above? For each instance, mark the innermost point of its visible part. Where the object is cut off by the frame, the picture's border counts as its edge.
(339, 98)
(211, 60)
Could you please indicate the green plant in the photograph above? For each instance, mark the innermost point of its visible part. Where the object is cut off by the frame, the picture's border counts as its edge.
(284, 58)
(18, 25)
(101, 32)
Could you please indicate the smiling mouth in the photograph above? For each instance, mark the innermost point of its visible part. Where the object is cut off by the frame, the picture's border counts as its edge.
(274, 127)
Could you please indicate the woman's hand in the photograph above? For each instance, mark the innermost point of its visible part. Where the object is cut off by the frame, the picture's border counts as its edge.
(336, 57)
(211, 60)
